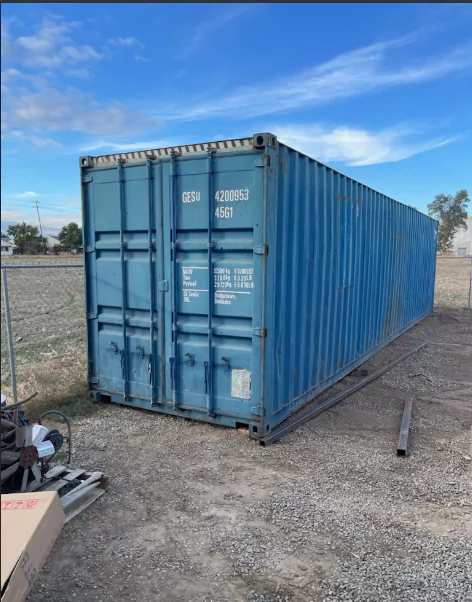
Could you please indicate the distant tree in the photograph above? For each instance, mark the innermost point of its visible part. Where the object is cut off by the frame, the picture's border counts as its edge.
(451, 212)
(26, 238)
(4, 236)
(70, 237)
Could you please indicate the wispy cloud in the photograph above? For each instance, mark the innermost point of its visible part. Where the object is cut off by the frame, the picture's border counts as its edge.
(24, 195)
(355, 73)
(49, 109)
(129, 42)
(140, 58)
(50, 46)
(202, 32)
(119, 147)
(81, 73)
(32, 107)
(355, 146)
(35, 140)
(51, 221)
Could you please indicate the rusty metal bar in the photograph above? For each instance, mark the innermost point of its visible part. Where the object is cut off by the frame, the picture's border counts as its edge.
(405, 427)
(279, 433)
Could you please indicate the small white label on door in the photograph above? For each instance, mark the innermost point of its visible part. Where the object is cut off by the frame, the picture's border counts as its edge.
(241, 384)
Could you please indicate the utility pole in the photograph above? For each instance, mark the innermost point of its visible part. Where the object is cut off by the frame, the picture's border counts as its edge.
(40, 228)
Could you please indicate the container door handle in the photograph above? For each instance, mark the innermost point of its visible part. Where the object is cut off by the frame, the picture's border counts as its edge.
(172, 364)
(191, 359)
(206, 377)
(225, 360)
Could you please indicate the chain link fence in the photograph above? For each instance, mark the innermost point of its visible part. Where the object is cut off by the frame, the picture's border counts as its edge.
(48, 327)
(43, 326)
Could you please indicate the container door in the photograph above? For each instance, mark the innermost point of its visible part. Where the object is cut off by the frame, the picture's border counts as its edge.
(215, 265)
(122, 247)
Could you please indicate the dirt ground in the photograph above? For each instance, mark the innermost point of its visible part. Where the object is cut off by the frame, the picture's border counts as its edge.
(196, 513)
(453, 282)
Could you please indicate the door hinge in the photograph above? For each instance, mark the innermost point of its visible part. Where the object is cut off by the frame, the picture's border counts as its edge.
(261, 250)
(163, 285)
(260, 332)
(89, 249)
(256, 410)
(87, 179)
(91, 315)
(93, 380)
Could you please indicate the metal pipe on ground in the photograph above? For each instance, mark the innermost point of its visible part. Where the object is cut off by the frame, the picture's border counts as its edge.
(284, 430)
(405, 428)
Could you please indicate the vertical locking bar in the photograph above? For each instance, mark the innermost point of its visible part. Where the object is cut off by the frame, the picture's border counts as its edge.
(175, 301)
(210, 412)
(124, 284)
(152, 294)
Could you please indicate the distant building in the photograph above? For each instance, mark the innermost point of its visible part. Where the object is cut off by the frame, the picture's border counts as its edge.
(462, 241)
(8, 247)
(52, 242)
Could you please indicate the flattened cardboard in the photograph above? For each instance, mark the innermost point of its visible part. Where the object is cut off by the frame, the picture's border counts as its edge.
(30, 524)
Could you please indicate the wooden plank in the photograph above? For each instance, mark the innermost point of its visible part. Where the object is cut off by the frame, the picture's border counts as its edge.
(73, 474)
(94, 476)
(9, 471)
(89, 498)
(56, 471)
(74, 495)
(54, 485)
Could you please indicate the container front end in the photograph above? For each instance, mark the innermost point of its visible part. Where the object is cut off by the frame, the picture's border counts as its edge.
(351, 270)
(175, 260)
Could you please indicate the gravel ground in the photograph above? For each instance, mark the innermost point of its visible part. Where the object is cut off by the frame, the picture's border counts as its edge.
(196, 513)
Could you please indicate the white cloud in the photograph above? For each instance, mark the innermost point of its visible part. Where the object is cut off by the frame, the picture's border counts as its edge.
(50, 47)
(351, 74)
(143, 59)
(81, 73)
(36, 140)
(24, 195)
(123, 147)
(356, 147)
(129, 42)
(49, 221)
(75, 111)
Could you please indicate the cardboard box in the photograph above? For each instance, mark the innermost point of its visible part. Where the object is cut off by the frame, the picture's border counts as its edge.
(31, 523)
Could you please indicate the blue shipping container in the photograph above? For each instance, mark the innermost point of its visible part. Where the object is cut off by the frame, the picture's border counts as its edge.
(234, 281)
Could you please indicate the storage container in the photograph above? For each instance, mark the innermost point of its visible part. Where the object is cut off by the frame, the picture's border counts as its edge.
(234, 281)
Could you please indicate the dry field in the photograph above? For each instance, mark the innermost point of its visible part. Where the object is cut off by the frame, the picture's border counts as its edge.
(452, 282)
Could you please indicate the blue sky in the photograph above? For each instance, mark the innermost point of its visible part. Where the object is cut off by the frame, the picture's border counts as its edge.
(381, 92)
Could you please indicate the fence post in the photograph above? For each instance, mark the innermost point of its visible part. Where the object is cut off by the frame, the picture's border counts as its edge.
(11, 351)
(470, 284)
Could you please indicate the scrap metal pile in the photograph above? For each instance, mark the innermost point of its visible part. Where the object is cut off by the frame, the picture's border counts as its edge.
(27, 451)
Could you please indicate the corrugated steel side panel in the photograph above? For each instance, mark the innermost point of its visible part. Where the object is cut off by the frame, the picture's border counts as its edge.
(350, 269)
